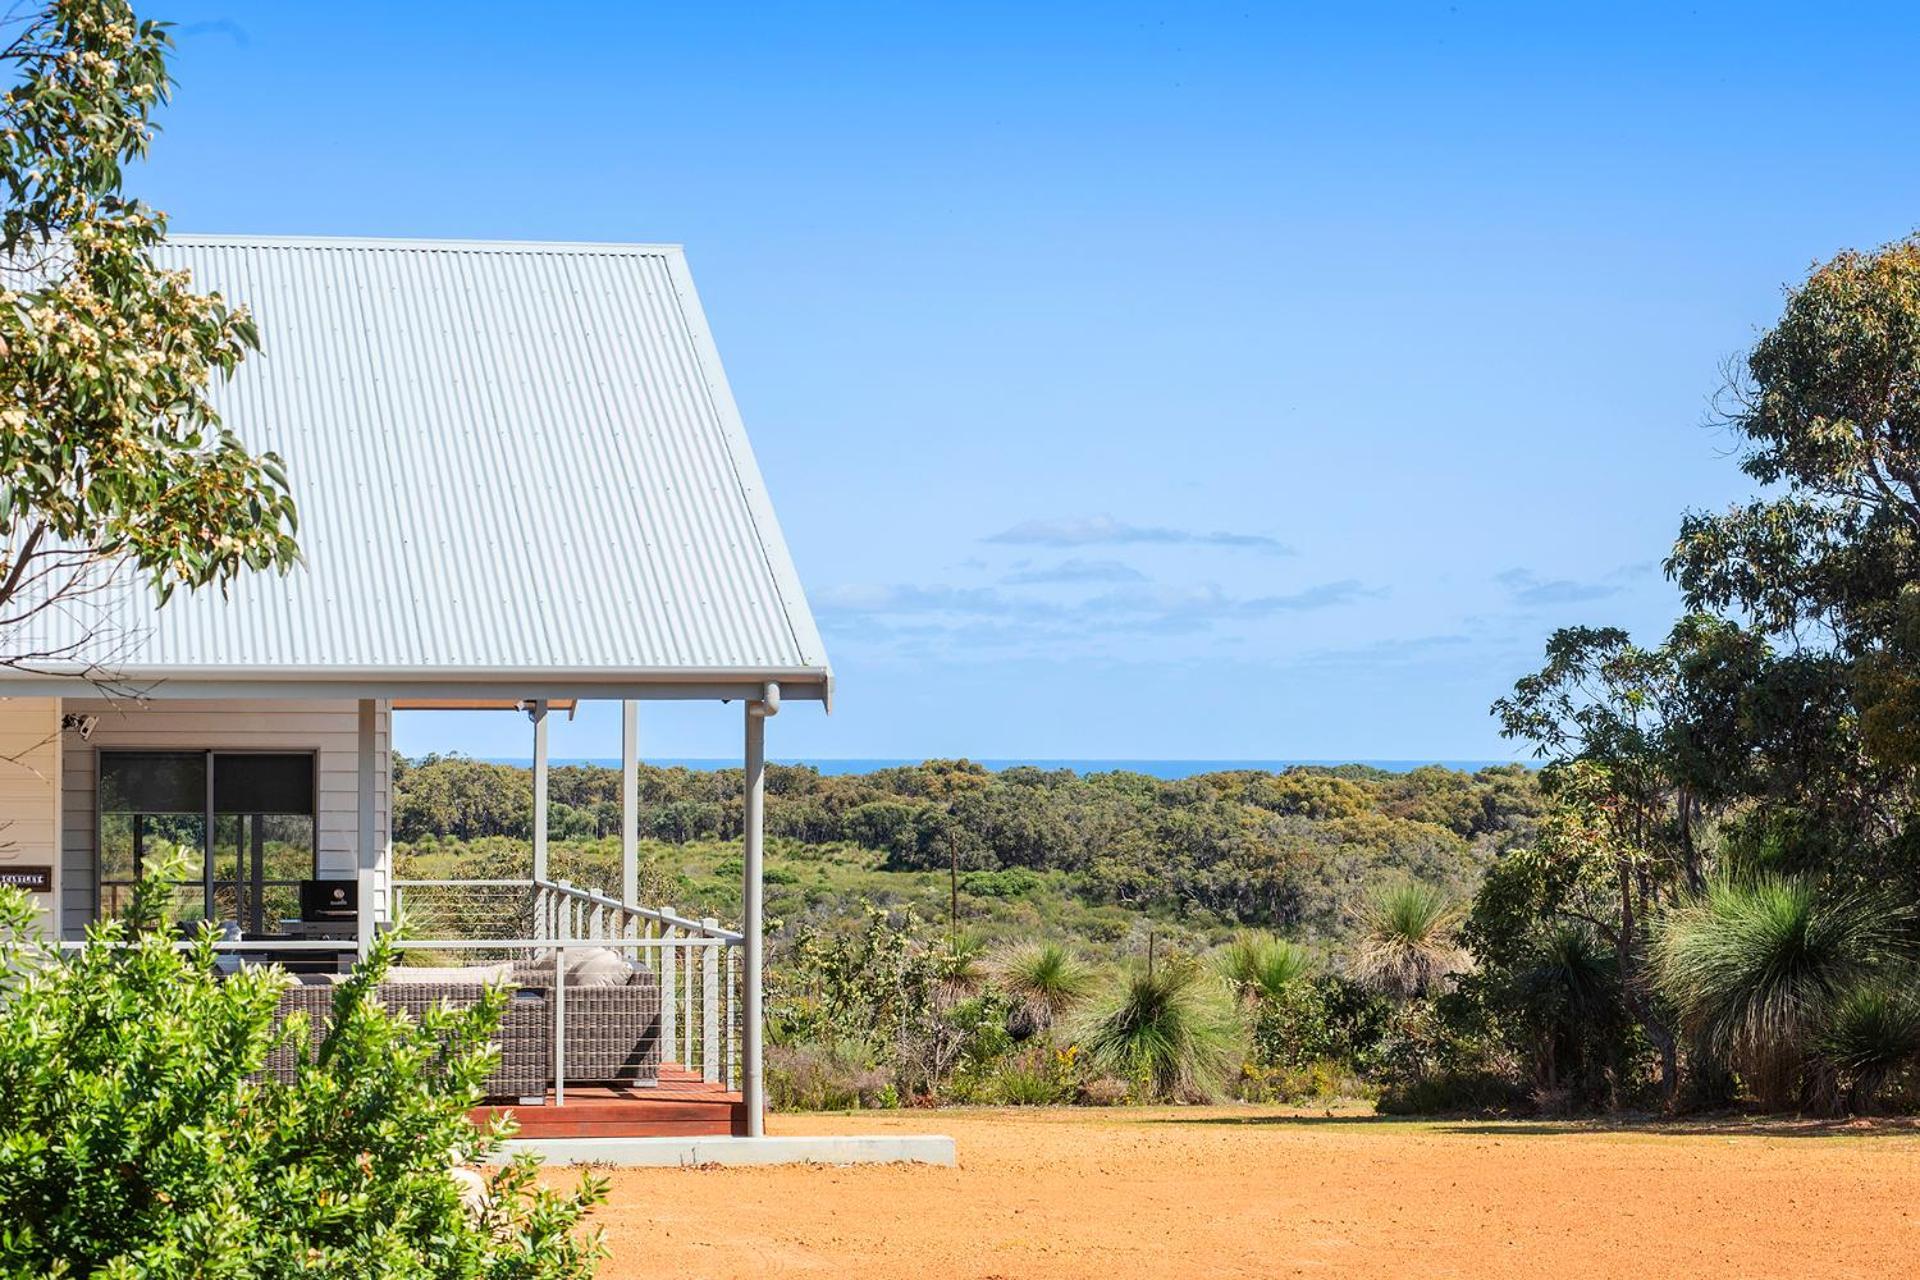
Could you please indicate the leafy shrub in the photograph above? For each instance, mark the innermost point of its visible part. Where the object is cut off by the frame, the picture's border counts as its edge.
(1323, 1081)
(1442, 1055)
(1323, 1018)
(731, 868)
(914, 1009)
(1039, 1077)
(1453, 1093)
(1014, 882)
(829, 1076)
(140, 1136)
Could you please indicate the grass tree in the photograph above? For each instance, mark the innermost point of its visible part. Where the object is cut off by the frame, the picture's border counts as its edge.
(1260, 967)
(1407, 943)
(961, 965)
(1769, 971)
(1170, 1031)
(1043, 982)
(1871, 1032)
(1557, 988)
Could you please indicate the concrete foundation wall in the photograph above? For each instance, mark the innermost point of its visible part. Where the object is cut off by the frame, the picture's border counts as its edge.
(693, 1153)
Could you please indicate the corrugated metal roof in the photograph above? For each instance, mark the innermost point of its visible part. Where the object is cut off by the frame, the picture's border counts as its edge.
(508, 457)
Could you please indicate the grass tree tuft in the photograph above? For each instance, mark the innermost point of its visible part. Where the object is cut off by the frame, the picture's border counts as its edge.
(1760, 968)
(1407, 945)
(1170, 1031)
(1043, 982)
(1261, 967)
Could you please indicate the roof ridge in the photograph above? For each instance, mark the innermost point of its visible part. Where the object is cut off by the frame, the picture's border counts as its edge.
(435, 243)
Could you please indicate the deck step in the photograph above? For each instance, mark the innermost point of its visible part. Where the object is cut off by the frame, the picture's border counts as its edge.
(682, 1105)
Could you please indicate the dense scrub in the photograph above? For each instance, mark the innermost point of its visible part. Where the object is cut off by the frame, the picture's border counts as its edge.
(1294, 850)
(1100, 951)
(1709, 895)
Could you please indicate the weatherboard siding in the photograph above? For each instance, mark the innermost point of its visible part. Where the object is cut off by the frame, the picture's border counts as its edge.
(328, 728)
(30, 789)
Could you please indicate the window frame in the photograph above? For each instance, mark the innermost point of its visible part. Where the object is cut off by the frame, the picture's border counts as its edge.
(207, 812)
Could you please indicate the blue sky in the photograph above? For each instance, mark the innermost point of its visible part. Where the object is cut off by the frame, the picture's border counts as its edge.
(1133, 380)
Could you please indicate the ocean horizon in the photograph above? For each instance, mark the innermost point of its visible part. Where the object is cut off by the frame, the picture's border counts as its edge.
(1168, 769)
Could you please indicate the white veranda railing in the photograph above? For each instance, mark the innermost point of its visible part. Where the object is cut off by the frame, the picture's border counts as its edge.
(696, 962)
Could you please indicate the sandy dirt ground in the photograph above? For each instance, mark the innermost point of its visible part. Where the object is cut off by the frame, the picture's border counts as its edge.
(1247, 1192)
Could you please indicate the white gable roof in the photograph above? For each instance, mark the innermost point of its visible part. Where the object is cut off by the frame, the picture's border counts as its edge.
(513, 461)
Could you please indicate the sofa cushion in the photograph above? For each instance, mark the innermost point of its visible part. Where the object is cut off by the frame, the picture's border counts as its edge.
(481, 974)
(586, 967)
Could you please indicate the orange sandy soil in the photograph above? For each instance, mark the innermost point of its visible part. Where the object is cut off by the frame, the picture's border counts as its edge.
(1263, 1192)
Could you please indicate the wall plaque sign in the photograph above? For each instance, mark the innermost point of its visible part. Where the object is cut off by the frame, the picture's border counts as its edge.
(32, 879)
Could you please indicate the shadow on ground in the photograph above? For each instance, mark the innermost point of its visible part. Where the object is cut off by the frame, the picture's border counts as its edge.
(1691, 1126)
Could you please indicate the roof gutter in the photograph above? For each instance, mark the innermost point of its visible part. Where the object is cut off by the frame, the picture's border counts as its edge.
(643, 684)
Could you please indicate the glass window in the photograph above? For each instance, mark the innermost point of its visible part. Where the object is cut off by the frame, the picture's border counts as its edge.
(148, 800)
(255, 829)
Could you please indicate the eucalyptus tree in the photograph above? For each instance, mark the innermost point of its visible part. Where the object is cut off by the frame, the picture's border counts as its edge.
(112, 454)
(1826, 561)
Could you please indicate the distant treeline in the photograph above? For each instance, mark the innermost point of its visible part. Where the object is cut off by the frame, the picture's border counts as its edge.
(1249, 846)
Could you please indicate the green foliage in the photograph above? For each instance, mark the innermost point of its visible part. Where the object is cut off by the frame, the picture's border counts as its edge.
(867, 1005)
(1320, 1082)
(1756, 969)
(455, 796)
(910, 1008)
(1406, 946)
(1014, 882)
(1324, 1018)
(1260, 967)
(109, 439)
(1444, 1055)
(1169, 1031)
(1871, 1030)
(140, 1136)
(1279, 850)
(1829, 414)
(827, 1075)
(1039, 1076)
(1042, 981)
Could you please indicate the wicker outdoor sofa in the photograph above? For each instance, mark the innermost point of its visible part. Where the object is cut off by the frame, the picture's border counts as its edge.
(612, 1029)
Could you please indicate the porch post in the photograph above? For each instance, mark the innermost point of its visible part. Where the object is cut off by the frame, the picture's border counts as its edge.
(539, 713)
(369, 852)
(630, 803)
(753, 1088)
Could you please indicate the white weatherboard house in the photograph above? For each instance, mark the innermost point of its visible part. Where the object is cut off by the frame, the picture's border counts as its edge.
(522, 481)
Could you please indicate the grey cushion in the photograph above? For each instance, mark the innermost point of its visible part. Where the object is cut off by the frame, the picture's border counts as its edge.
(586, 967)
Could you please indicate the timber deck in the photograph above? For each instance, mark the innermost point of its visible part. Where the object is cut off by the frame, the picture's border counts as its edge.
(681, 1105)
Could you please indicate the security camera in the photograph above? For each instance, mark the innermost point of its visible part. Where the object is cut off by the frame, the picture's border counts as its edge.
(83, 725)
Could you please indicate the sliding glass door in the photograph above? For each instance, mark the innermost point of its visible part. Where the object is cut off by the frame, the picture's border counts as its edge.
(247, 816)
